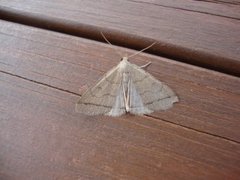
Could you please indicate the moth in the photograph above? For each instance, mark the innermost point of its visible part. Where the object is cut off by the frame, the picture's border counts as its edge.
(126, 88)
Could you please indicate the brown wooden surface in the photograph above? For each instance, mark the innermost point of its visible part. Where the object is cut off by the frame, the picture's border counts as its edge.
(42, 76)
(198, 32)
(228, 2)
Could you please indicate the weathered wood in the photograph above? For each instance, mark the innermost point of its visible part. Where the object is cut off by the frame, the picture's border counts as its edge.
(206, 39)
(231, 10)
(41, 137)
(210, 101)
(229, 2)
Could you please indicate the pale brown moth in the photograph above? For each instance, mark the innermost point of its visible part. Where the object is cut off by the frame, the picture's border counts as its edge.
(126, 88)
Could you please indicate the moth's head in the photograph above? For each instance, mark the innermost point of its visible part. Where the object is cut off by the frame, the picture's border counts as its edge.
(123, 64)
(124, 58)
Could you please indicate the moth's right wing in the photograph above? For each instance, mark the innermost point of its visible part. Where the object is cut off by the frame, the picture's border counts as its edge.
(136, 103)
(104, 98)
(155, 95)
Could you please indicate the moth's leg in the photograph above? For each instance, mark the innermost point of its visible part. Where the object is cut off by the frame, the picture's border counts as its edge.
(145, 65)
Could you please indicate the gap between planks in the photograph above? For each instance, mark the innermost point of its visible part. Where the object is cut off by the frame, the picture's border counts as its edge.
(171, 51)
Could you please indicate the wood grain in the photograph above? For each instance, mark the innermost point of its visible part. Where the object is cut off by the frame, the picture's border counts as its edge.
(209, 100)
(231, 10)
(210, 38)
(229, 2)
(42, 75)
(41, 137)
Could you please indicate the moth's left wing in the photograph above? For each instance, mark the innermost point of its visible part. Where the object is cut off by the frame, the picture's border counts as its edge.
(101, 99)
(153, 94)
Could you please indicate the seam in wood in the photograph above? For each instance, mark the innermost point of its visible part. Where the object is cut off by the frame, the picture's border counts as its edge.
(44, 84)
(189, 128)
(153, 117)
(85, 65)
(171, 51)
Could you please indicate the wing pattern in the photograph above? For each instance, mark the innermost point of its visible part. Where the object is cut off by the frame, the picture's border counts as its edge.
(145, 93)
(155, 95)
(100, 98)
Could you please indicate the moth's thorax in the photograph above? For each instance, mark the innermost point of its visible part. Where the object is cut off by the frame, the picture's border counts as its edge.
(125, 77)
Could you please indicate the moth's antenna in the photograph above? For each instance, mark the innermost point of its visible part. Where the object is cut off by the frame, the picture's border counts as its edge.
(104, 37)
(142, 50)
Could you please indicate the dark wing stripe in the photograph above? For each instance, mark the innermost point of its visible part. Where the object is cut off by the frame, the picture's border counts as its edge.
(151, 102)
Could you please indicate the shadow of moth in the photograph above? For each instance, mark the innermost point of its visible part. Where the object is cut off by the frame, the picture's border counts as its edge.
(126, 88)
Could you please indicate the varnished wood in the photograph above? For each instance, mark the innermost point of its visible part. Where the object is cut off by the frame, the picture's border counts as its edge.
(70, 64)
(41, 137)
(228, 2)
(205, 34)
(225, 9)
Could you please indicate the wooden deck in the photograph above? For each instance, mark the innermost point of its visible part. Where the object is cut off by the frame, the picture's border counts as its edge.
(50, 51)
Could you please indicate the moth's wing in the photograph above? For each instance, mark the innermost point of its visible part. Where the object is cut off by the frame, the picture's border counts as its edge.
(119, 106)
(136, 102)
(101, 98)
(155, 95)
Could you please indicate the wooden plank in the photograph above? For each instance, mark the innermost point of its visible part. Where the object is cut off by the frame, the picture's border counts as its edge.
(228, 9)
(206, 39)
(209, 101)
(235, 2)
(41, 137)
